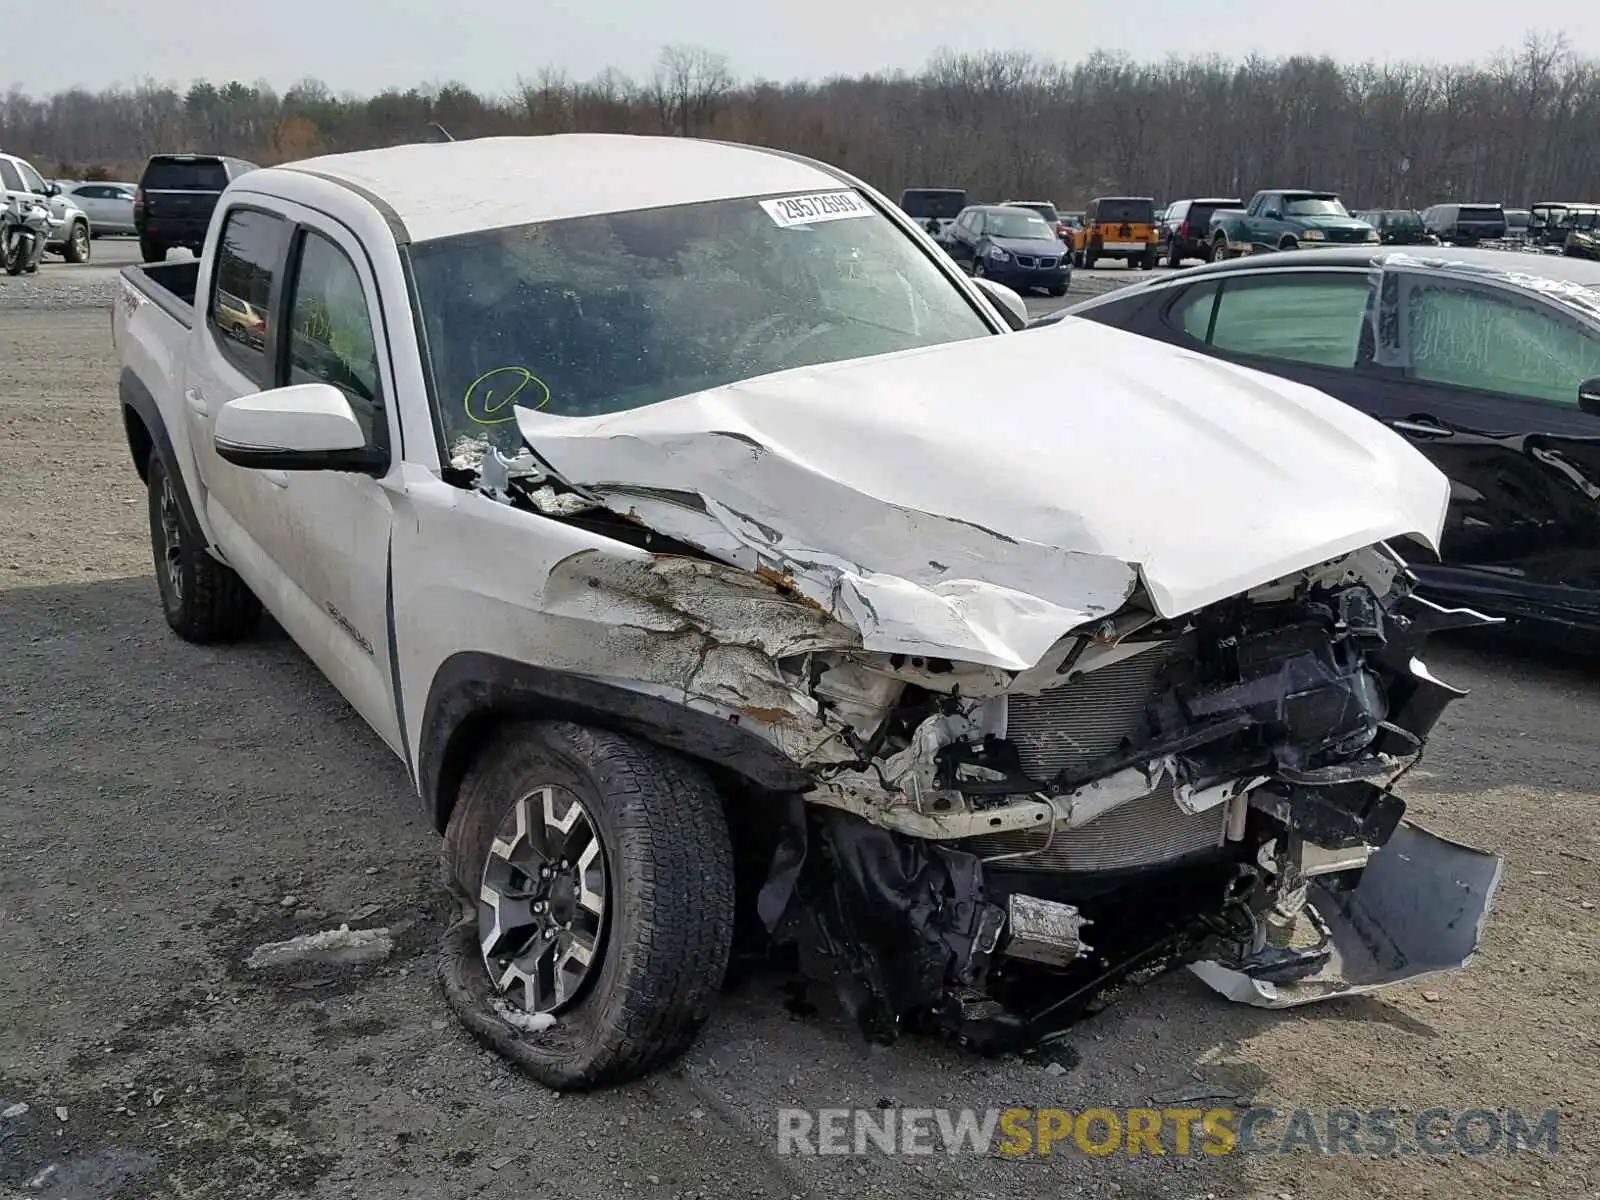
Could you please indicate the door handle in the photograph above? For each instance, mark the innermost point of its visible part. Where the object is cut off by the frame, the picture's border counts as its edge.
(1420, 429)
(195, 401)
(276, 478)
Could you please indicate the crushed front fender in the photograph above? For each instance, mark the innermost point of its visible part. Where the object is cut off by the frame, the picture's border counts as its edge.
(1419, 909)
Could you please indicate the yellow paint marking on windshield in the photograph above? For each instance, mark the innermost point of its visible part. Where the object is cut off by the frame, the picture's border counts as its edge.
(494, 392)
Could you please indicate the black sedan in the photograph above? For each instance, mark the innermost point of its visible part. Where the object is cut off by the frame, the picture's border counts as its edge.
(1488, 362)
(1013, 246)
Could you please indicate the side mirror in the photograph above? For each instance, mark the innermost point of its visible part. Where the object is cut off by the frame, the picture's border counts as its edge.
(52, 189)
(305, 427)
(1010, 303)
(1589, 397)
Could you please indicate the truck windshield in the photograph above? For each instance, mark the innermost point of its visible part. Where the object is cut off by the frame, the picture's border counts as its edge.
(1313, 206)
(605, 313)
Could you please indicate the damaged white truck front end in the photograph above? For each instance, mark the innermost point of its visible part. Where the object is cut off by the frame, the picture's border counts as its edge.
(1086, 685)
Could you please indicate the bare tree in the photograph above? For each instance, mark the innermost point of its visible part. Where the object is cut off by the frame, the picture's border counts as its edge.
(1521, 127)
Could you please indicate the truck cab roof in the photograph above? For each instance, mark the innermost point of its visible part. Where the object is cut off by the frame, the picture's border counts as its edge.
(438, 189)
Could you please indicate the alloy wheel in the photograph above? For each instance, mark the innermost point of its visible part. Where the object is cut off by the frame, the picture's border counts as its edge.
(543, 901)
(170, 552)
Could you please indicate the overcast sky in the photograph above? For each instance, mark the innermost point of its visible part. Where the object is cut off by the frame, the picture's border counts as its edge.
(367, 45)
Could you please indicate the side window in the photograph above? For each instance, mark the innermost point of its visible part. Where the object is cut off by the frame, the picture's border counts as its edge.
(31, 180)
(1191, 312)
(1312, 319)
(1470, 337)
(240, 315)
(9, 177)
(330, 331)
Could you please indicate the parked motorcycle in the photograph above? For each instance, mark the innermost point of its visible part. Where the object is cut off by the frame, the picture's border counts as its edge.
(24, 230)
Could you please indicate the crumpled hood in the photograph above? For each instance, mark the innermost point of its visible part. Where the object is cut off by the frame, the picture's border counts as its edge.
(981, 499)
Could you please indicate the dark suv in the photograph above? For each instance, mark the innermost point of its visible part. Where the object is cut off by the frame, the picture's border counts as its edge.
(176, 197)
(1398, 226)
(1186, 228)
(1466, 224)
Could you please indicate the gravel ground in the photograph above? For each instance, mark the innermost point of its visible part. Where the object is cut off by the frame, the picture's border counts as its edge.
(167, 808)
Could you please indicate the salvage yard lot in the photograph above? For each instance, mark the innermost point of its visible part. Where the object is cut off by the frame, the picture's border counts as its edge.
(167, 808)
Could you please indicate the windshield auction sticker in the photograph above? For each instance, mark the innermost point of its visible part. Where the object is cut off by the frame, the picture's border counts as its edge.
(816, 208)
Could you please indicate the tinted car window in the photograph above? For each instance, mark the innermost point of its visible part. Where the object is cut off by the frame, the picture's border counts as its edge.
(933, 203)
(330, 329)
(616, 311)
(1126, 212)
(1469, 337)
(247, 259)
(1192, 311)
(174, 175)
(1308, 318)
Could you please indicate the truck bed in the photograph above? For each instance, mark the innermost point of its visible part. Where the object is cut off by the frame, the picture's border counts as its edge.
(170, 285)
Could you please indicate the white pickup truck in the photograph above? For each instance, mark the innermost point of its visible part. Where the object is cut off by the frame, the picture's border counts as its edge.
(715, 555)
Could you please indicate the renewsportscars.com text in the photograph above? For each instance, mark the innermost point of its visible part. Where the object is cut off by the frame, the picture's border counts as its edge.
(1162, 1131)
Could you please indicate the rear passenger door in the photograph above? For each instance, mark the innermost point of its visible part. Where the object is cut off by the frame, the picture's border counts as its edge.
(1307, 325)
(291, 300)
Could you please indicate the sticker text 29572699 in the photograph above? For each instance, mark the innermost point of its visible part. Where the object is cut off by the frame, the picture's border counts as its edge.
(815, 208)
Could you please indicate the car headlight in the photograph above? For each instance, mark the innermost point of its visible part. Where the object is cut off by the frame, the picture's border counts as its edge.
(1372, 236)
(998, 254)
(1313, 235)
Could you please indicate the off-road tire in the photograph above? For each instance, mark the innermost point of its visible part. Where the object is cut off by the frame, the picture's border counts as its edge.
(1089, 257)
(1151, 259)
(76, 247)
(209, 602)
(670, 909)
(151, 250)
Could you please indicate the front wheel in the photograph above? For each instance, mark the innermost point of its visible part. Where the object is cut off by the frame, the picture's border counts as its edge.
(204, 600)
(1174, 260)
(77, 247)
(978, 269)
(600, 871)
(1059, 290)
(16, 253)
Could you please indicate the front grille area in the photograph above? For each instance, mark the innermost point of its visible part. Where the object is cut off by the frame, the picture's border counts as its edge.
(1084, 721)
(1142, 833)
(1073, 726)
(1029, 261)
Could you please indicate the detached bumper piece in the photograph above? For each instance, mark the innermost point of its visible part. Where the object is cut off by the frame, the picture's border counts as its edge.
(1418, 908)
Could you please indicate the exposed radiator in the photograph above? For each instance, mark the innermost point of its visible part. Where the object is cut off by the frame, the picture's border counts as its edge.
(1141, 833)
(1078, 724)
(1087, 719)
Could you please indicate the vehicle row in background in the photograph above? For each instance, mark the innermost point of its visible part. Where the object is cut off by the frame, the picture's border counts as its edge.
(1489, 364)
(109, 206)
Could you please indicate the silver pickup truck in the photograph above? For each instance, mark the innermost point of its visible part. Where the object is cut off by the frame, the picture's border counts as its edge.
(720, 565)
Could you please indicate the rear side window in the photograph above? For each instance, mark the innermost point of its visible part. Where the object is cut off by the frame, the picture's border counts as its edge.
(240, 314)
(1126, 212)
(1313, 319)
(1481, 212)
(9, 178)
(178, 175)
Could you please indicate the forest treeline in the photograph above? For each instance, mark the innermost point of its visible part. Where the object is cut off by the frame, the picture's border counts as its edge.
(1522, 127)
